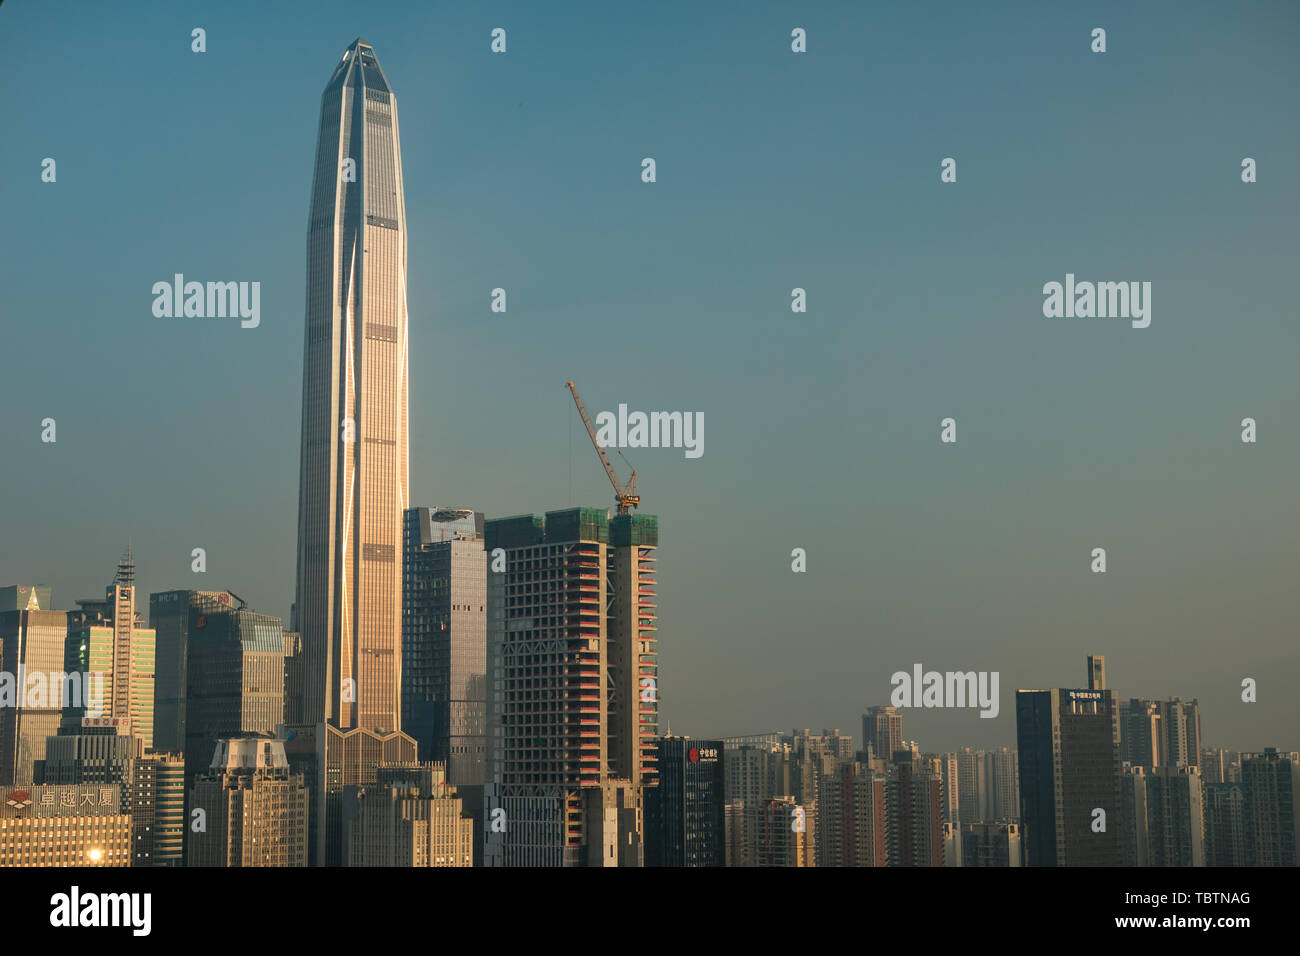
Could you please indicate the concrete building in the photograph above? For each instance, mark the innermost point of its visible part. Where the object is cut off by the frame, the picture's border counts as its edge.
(444, 641)
(913, 815)
(1227, 841)
(253, 808)
(1003, 778)
(157, 803)
(64, 825)
(1068, 743)
(1134, 817)
(973, 786)
(1175, 817)
(573, 686)
(882, 731)
(990, 844)
(1271, 780)
(410, 817)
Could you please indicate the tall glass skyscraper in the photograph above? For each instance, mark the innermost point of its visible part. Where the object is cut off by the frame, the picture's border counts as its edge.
(353, 477)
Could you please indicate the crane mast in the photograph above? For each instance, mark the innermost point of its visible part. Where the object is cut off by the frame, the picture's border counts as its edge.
(626, 497)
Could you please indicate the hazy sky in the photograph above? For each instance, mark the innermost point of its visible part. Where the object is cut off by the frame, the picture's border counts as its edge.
(775, 171)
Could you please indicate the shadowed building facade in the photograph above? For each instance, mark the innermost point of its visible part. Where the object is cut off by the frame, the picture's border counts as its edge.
(353, 464)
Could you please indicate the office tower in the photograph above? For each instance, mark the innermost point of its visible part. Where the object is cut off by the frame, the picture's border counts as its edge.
(1271, 780)
(330, 760)
(1227, 843)
(1004, 783)
(220, 672)
(990, 844)
(157, 804)
(882, 731)
(1069, 768)
(294, 674)
(1175, 817)
(353, 466)
(573, 685)
(735, 825)
(32, 645)
(410, 816)
(1096, 672)
(444, 640)
(972, 786)
(913, 815)
(26, 597)
(254, 809)
(684, 812)
(1134, 817)
(152, 786)
(65, 825)
(108, 638)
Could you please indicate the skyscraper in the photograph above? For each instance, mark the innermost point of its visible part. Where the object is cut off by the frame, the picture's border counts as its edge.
(220, 672)
(444, 641)
(353, 466)
(254, 808)
(573, 685)
(109, 638)
(1069, 770)
(684, 814)
(1271, 781)
(31, 642)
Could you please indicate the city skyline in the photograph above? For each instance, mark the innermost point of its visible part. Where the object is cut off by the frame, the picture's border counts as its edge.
(823, 427)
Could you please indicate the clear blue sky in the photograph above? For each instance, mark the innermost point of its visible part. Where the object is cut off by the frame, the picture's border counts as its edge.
(775, 170)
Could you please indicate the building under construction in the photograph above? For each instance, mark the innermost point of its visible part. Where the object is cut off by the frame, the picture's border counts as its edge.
(573, 687)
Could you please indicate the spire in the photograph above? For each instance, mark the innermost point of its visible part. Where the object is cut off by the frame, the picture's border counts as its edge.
(126, 568)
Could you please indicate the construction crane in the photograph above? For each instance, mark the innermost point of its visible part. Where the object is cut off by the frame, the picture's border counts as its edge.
(626, 497)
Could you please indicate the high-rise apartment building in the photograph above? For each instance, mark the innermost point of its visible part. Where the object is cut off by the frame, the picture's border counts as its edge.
(444, 641)
(353, 468)
(1271, 782)
(1227, 842)
(1175, 817)
(1003, 779)
(913, 814)
(1069, 769)
(882, 731)
(572, 684)
(973, 786)
(254, 808)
